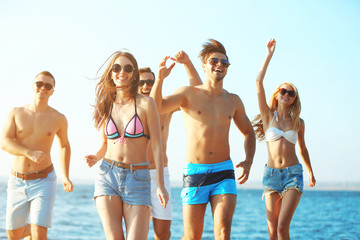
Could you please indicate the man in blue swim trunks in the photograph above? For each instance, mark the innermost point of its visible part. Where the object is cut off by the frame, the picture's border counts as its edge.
(161, 217)
(208, 175)
(28, 134)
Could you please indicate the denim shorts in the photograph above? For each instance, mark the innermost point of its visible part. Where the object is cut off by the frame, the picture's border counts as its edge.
(36, 197)
(283, 179)
(133, 187)
(158, 211)
(201, 181)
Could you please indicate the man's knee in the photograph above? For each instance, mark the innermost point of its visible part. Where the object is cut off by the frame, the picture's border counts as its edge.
(23, 232)
(223, 233)
(163, 235)
(38, 232)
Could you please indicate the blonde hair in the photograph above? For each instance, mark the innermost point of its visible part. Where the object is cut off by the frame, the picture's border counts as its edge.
(294, 111)
(106, 89)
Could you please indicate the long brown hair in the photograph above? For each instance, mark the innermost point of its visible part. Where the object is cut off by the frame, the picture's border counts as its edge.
(295, 110)
(106, 89)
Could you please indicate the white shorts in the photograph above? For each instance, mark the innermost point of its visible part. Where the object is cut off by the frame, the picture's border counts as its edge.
(158, 211)
(36, 197)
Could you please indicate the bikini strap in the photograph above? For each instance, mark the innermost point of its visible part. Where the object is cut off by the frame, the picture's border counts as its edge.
(135, 105)
(274, 116)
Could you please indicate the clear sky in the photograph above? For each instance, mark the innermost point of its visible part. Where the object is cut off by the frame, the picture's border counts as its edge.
(317, 50)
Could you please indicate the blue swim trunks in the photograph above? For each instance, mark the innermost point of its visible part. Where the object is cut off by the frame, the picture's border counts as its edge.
(201, 181)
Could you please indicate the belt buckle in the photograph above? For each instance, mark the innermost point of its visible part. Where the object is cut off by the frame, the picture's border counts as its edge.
(122, 165)
(19, 175)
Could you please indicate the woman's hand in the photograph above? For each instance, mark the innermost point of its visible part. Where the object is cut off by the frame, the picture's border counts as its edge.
(163, 196)
(91, 160)
(271, 46)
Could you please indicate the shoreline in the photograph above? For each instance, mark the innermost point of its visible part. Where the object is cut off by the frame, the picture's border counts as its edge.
(251, 185)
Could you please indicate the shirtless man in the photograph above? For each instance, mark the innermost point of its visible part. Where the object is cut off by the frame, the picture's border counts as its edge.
(162, 217)
(28, 134)
(208, 175)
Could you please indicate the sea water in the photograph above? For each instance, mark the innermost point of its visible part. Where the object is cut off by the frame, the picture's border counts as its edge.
(320, 215)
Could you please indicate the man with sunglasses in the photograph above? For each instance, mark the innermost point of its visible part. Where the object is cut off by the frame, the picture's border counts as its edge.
(28, 134)
(162, 217)
(208, 175)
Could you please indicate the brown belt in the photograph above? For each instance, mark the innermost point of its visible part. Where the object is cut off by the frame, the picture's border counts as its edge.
(134, 167)
(31, 176)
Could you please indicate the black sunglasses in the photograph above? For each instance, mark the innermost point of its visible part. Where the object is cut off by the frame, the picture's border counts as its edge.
(283, 91)
(48, 86)
(148, 82)
(214, 61)
(116, 68)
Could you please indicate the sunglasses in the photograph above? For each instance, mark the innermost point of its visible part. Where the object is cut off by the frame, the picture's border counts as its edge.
(283, 91)
(48, 86)
(214, 61)
(116, 68)
(148, 82)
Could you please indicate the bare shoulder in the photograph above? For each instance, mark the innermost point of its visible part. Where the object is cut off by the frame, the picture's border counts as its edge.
(302, 123)
(145, 102)
(234, 97)
(57, 115)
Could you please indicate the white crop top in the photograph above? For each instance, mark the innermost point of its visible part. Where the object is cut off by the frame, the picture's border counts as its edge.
(273, 133)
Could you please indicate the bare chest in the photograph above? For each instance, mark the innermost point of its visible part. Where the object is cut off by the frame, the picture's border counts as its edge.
(38, 126)
(218, 109)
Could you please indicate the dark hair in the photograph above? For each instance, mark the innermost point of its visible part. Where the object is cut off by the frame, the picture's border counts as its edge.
(147, 69)
(210, 47)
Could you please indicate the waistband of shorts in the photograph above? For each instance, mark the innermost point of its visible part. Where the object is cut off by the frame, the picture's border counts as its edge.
(166, 171)
(199, 168)
(35, 175)
(131, 167)
(282, 169)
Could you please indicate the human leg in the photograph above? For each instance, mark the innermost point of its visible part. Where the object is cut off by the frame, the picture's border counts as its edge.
(38, 232)
(161, 217)
(290, 201)
(193, 220)
(110, 211)
(136, 219)
(17, 209)
(223, 207)
(19, 233)
(161, 229)
(273, 205)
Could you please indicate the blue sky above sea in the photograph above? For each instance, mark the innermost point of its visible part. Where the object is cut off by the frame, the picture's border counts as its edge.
(317, 50)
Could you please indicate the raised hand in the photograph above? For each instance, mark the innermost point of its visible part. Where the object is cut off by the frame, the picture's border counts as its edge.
(271, 46)
(181, 57)
(163, 70)
(91, 160)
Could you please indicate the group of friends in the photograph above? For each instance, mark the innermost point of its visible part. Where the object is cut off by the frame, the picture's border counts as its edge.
(132, 182)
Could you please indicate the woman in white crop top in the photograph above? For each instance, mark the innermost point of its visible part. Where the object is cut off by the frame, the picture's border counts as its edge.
(279, 123)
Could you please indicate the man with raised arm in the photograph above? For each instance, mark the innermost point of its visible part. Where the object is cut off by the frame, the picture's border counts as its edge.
(28, 134)
(162, 217)
(208, 174)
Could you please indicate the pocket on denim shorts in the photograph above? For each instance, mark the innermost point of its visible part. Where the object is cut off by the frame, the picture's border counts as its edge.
(142, 175)
(103, 168)
(295, 170)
